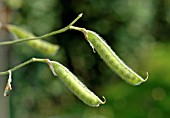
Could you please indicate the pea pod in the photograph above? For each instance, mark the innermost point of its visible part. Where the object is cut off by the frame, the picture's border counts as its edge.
(76, 86)
(40, 45)
(112, 60)
(110, 57)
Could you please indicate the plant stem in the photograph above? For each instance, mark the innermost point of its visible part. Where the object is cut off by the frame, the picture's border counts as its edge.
(78, 28)
(83, 30)
(24, 64)
(43, 36)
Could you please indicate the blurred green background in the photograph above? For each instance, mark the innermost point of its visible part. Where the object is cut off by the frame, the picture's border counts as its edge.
(137, 30)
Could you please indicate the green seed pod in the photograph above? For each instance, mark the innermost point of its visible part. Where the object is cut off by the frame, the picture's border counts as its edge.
(40, 45)
(111, 59)
(77, 87)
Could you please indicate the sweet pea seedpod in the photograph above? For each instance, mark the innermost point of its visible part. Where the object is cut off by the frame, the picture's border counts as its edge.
(111, 59)
(40, 45)
(77, 87)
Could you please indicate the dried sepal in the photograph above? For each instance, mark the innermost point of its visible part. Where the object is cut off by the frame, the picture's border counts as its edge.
(8, 87)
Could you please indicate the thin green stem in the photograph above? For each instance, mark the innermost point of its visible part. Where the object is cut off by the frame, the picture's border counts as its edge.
(77, 28)
(83, 30)
(43, 36)
(24, 64)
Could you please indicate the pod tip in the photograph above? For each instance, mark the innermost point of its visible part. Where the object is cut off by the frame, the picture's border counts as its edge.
(147, 76)
(104, 100)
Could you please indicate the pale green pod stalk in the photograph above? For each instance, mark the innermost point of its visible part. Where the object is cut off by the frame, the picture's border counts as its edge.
(112, 60)
(77, 87)
(40, 45)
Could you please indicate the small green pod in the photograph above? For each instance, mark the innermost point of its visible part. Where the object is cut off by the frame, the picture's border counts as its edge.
(111, 59)
(75, 85)
(40, 45)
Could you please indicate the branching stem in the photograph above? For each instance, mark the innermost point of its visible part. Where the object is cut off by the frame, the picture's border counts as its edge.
(43, 36)
(24, 64)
